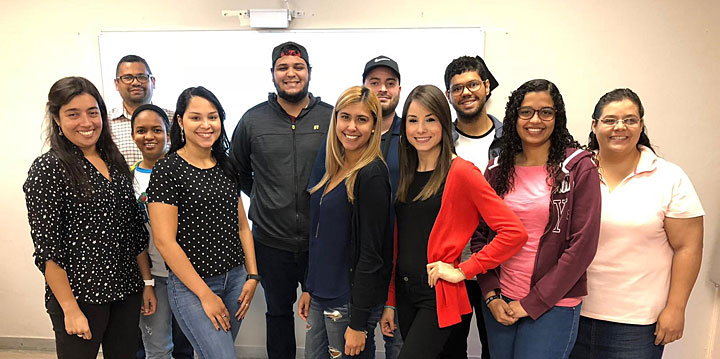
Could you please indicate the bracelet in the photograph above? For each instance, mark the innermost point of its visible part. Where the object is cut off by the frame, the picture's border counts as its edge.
(390, 307)
(493, 297)
(256, 277)
(149, 282)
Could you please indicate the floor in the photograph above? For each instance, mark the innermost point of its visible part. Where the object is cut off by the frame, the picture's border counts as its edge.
(28, 354)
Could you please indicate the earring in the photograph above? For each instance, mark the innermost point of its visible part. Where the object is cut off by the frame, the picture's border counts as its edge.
(373, 131)
(182, 134)
(60, 131)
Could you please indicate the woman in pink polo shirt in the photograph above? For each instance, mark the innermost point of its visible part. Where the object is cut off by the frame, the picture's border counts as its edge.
(534, 298)
(650, 245)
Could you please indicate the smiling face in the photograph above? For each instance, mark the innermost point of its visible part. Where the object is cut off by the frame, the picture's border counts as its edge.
(135, 93)
(150, 135)
(354, 127)
(423, 129)
(291, 77)
(386, 85)
(201, 123)
(535, 132)
(81, 122)
(619, 138)
(468, 104)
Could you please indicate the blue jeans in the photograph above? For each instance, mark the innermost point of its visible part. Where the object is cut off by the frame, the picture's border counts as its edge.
(208, 342)
(551, 336)
(609, 340)
(281, 273)
(156, 329)
(325, 336)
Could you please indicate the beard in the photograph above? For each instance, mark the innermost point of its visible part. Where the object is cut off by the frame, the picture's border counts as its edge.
(293, 98)
(469, 116)
(390, 109)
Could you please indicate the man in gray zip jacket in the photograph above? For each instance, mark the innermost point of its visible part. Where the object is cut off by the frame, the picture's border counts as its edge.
(273, 149)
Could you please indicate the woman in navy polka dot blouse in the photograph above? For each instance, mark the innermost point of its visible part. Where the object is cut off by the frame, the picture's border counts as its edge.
(200, 228)
(86, 227)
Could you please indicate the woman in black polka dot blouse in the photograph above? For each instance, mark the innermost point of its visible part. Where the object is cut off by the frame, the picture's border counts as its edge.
(86, 227)
(200, 228)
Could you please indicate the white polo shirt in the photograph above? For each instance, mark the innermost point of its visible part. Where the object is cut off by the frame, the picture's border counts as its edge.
(629, 279)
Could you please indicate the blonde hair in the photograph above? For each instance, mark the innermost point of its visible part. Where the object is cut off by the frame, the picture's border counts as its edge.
(335, 153)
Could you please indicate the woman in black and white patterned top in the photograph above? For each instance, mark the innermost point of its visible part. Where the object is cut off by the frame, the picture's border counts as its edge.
(86, 227)
(200, 228)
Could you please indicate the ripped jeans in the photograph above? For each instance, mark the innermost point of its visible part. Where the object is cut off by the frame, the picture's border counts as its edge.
(325, 335)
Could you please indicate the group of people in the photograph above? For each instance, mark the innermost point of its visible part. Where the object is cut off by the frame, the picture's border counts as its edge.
(408, 223)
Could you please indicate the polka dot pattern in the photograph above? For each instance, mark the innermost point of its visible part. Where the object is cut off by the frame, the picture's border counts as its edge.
(95, 237)
(207, 201)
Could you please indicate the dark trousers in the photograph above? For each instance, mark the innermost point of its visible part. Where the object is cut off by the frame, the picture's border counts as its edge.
(456, 346)
(182, 349)
(281, 273)
(112, 325)
(418, 320)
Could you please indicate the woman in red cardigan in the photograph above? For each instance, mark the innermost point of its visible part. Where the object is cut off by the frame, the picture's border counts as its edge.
(440, 201)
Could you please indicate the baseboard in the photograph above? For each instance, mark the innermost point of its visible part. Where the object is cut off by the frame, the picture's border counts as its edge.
(18, 343)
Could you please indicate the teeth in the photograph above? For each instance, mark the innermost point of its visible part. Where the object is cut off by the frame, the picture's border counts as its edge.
(351, 137)
(206, 135)
(86, 133)
(422, 139)
(534, 130)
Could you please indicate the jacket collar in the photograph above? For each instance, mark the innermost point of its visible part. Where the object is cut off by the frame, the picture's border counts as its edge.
(272, 100)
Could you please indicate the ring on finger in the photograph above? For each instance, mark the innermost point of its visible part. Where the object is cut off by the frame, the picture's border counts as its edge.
(80, 335)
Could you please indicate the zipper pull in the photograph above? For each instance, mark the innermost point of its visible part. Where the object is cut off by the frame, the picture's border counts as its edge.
(293, 127)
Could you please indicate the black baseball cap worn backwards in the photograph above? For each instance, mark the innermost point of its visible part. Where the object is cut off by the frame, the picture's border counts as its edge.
(282, 50)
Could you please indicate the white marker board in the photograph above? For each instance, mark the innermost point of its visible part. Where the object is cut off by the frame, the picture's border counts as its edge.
(235, 65)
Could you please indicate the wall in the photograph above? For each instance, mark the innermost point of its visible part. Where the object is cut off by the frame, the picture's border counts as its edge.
(668, 51)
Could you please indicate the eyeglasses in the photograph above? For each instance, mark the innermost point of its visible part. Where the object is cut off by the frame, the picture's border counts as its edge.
(545, 113)
(128, 79)
(612, 121)
(472, 86)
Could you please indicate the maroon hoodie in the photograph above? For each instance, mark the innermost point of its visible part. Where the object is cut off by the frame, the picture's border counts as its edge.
(569, 242)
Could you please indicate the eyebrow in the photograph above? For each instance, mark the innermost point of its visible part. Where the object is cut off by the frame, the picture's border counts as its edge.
(77, 109)
(198, 113)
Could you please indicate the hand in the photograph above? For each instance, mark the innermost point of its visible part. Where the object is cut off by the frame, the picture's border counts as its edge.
(304, 305)
(246, 296)
(217, 312)
(76, 324)
(670, 325)
(387, 322)
(149, 303)
(354, 341)
(502, 312)
(517, 309)
(445, 271)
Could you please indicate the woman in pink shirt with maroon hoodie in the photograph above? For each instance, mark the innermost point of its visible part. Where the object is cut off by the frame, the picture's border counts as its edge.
(533, 299)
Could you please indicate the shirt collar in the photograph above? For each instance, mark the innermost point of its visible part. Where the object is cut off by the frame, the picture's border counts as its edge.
(647, 162)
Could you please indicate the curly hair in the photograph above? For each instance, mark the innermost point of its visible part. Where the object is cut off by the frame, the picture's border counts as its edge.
(511, 144)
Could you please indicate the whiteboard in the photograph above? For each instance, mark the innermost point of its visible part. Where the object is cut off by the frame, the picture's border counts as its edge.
(235, 65)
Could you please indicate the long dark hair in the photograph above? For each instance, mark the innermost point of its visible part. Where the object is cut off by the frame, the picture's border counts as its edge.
(61, 93)
(221, 146)
(511, 144)
(614, 96)
(434, 100)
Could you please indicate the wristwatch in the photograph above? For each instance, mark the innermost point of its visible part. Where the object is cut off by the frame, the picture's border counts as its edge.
(257, 277)
(149, 282)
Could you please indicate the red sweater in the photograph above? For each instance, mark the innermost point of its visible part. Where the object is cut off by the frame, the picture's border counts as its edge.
(466, 200)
